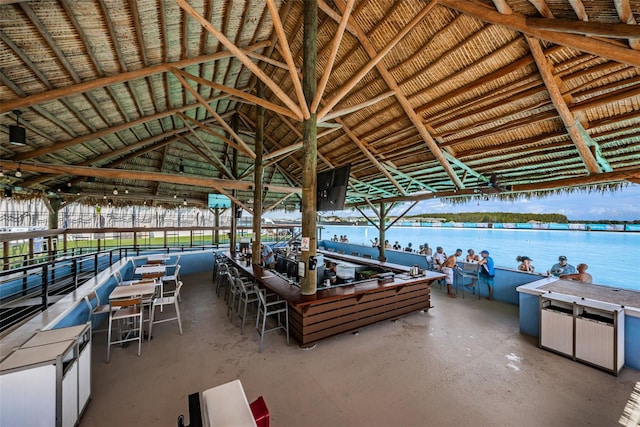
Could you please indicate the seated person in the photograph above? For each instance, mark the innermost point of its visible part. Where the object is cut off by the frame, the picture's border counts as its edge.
(471, 256)
(408, 248)
(397, 246)
(525, 264)
(581, 275)
(375, 243)
(426, 250)
(439, 258)
(266, 256)
(387, 245)
(561, 267)
(487, 271)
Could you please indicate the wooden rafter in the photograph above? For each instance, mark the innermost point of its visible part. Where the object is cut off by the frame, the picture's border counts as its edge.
(375, 59)
(352, 108)
(277, 91)
(60, 145)
(404, 102)
(518, 23)
(204, 126)
(335, 44)
(570, 122)
(211, 157)
(286, 50)
(623, 8)
(244, 147)
(83, 87)
(141, 175)
(239, 93)
(616, 31)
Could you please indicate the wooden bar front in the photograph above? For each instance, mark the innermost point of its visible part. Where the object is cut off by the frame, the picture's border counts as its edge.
(345, 308)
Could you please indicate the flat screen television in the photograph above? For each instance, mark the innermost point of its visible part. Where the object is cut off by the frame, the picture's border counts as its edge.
(331, 188)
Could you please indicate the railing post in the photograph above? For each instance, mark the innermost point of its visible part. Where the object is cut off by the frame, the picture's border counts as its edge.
(95, 264)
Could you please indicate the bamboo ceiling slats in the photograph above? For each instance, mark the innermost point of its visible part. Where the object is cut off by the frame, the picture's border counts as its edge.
(94, 82)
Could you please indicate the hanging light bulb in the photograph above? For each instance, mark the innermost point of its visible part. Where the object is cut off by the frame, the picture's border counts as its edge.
(115, 191)
(175, 196)
(18, 172)
(104, 196)
(184, 202)
(126, 191)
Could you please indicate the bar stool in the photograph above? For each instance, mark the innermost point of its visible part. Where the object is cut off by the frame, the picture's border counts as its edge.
(248, 296)
(233, 294)
(221, 276)
(270, 308)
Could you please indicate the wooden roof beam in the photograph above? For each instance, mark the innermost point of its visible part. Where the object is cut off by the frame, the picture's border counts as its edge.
(370, 156)
(626, 16)
(212, 158)
(574, 128)
(205, 128)
(284, 43)
(375, 58)
(404, 102)
(243, 146)
(239, 93)
(335, 44)
(277, 91)
(142, 175)
(60, 145)
(518, 23)
(616, 31)
(52, 95)
(348, 110)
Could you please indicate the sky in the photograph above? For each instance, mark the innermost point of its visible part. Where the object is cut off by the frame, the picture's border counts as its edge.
(619, 205)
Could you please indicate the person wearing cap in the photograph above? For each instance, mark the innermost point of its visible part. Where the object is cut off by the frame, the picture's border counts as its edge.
(487, 271)
(562, 267)
(525, 264)
(581, 275)
(447, 268)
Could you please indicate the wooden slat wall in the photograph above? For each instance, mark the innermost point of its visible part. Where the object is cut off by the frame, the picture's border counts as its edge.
(318, 321)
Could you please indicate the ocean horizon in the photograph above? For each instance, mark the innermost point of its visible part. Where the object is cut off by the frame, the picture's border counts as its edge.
(613, 257)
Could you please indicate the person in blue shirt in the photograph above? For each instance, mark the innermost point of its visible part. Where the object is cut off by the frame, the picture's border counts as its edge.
(268, 260)
(561, 267)
(487, 271)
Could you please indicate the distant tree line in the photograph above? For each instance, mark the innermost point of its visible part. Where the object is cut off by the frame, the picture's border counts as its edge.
(491, 217)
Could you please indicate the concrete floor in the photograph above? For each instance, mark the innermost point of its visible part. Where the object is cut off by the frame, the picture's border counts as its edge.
(462, 363)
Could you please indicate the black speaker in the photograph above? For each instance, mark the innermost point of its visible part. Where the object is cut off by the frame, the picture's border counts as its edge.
(8, 192)
(17, 135)
(238, 212)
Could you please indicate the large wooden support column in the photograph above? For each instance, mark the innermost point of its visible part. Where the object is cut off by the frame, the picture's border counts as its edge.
(310, 143)
(382, 230)
(257, 179)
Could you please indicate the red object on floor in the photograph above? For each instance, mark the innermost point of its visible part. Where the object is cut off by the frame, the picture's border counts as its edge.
(260, 412)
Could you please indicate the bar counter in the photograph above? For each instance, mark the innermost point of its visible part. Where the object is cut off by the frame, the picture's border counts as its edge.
(344, 308)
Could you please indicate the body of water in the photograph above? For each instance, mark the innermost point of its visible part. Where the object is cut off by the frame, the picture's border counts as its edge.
(613, 257)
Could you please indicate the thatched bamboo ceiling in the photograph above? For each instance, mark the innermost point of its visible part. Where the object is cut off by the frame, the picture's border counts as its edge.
(422, 96)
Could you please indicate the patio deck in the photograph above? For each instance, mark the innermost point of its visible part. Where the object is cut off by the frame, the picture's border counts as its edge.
(462, 363)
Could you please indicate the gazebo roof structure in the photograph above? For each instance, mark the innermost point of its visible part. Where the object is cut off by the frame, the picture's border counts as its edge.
(425, 99)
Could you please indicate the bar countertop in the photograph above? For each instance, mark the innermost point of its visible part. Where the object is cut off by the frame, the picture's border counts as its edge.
(291, 292)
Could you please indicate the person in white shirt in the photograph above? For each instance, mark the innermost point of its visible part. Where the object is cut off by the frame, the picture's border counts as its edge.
(439, 258)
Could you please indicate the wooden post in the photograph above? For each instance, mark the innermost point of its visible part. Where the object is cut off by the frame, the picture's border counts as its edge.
(257, 179)
(381, 228)
(310, 143)
(216, 232)
(234, 171)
